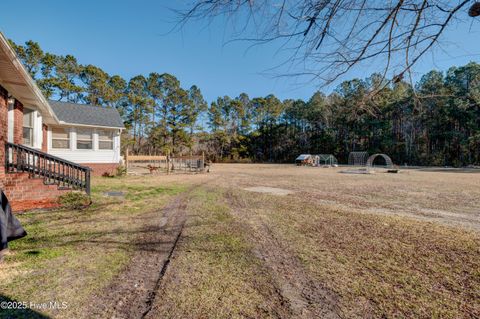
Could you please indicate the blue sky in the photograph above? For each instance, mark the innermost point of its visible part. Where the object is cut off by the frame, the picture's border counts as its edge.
(131, 37)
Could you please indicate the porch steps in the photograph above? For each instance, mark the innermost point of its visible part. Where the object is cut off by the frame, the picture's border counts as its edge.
(35, 179)
(26, 192)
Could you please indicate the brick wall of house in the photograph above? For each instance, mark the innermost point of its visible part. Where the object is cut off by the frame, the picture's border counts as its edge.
(3, 131)
(100, 169)
(18, 122)
(26, 193)
(23, 192)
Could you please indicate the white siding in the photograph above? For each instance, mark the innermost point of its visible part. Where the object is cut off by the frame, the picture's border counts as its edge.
(87, 156)
(11, 122)
(37, 130)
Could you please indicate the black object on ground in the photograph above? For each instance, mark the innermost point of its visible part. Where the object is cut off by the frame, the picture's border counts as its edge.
(10, 227)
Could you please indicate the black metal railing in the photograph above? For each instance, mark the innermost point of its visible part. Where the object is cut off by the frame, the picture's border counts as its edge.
(54, 170)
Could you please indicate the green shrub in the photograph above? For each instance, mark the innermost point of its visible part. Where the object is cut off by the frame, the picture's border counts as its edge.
(74, 200)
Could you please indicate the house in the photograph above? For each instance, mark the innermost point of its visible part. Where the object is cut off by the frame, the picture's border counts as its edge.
(87, 135)
(47, 147)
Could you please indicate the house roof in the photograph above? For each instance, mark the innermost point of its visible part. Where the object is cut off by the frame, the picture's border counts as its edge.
(18, 82)
(303, 157)
(84, 114)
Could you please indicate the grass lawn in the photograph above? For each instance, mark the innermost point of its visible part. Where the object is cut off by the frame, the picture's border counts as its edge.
(69, 254)
(214, 273)
(376, 266)
(337, 246)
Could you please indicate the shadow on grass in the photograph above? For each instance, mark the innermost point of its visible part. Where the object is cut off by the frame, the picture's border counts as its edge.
(450, 170)
(52, 234)
(11, 308)
(150, 238)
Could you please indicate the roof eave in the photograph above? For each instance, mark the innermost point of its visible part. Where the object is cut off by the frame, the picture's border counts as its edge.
(90, 125)
(41, 101)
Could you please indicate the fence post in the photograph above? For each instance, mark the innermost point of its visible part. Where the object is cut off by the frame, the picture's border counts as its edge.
(87, 181)
(126, 160)
(190, 162)
(168, 162)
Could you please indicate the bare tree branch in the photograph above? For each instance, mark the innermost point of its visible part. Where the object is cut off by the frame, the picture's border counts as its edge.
(327, 38)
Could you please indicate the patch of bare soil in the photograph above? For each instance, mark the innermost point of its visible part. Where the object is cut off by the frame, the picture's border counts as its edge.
(269, 190)
(304, 297)
(130, 295)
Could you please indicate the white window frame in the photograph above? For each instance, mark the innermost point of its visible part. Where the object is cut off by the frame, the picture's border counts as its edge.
(99, 140)
(31, 113)
(69, 139)
(92, 139)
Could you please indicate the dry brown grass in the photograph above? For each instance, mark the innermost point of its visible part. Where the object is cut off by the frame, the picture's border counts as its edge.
(377, 266)
(446, 197)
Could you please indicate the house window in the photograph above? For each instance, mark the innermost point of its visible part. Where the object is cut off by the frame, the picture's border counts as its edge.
(60, 138)
(84, 139)
(105, 140)
(28, 127)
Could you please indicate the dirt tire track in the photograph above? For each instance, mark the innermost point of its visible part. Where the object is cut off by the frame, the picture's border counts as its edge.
(131, 293)
(154, 292)
(279, 305)
(305, 297)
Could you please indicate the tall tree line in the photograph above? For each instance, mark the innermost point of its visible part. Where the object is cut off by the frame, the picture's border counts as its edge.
(159, 114)
(434, 122)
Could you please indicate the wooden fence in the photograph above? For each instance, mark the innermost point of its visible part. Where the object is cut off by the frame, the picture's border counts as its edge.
(169, 164)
